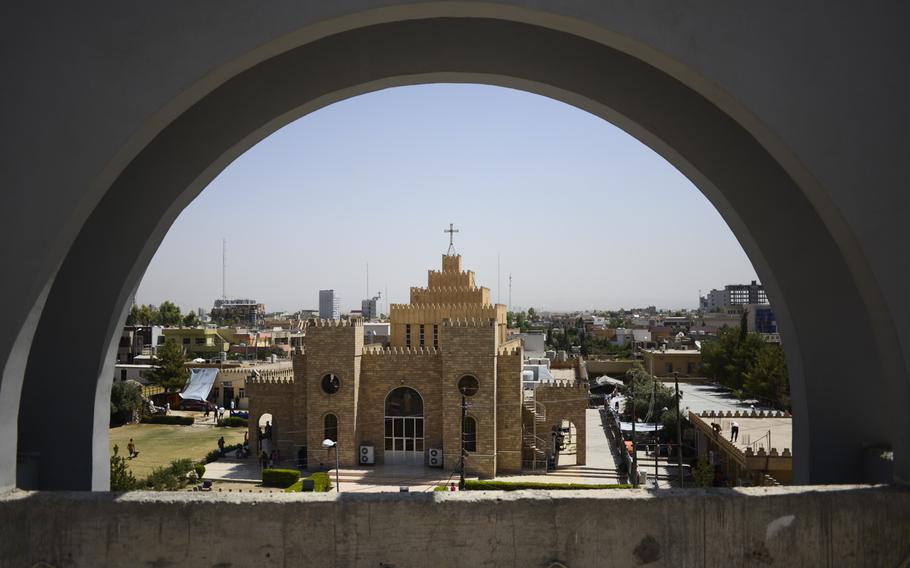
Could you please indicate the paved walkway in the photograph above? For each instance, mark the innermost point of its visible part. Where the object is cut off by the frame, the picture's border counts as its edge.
(601, 460)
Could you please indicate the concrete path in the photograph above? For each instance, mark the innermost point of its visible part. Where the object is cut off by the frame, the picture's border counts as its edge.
(601, 460)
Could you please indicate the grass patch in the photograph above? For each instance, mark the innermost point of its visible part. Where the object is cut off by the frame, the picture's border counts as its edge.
(485, 485)
(321, 483)
(160, 444)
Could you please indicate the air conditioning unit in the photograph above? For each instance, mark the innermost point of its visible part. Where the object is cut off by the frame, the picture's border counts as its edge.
(367, 455)
(435, 457)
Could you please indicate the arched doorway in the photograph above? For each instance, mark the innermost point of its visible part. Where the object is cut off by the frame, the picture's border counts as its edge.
(751, 172)
(403, 427)
(266, 433)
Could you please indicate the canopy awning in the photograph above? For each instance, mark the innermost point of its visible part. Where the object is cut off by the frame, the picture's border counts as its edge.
(200, 384)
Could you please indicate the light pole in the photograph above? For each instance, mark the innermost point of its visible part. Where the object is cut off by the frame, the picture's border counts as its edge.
(327, 443)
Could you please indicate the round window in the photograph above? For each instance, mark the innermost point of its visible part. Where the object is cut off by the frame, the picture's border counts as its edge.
(330, 384)
(468, 385)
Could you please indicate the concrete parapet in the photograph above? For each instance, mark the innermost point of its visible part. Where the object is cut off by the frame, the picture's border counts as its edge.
(793, 526)
(468, 322)
(316, 323)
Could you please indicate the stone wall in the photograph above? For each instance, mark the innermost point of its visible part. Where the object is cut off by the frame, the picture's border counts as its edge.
(472, 351)
(334, 347)
(508, 412)
(385, 370)
(565, 400)
(794, 526)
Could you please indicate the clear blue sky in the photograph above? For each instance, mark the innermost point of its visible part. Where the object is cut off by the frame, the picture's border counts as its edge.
(581, 214)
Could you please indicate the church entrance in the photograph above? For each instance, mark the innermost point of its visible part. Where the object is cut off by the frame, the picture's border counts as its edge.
(403, 427)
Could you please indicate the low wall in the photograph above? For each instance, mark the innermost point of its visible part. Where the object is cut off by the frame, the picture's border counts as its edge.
(783, 526)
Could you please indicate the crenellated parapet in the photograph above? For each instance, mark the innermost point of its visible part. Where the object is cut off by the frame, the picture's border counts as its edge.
(562, 384)
(316, 324)
(746, 414)
(384, 351)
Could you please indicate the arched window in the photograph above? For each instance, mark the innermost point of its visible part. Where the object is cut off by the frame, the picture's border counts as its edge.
(331, 427)
(404, 401)
(470, 434)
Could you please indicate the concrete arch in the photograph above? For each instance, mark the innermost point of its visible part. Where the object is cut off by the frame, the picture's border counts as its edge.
(749, 174)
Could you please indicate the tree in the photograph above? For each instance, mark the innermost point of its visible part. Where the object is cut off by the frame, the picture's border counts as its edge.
(133, 317)
(121, 477)
(532, 314)
(171, 373)
(126, 399)
(190, 320)
(169, 313)
(749, 365)
(644, 389)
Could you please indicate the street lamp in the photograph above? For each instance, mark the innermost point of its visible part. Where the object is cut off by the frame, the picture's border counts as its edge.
(327, 443)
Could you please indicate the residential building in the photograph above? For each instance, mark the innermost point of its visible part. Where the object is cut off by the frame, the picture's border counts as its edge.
(760, 318)
(664, 362)
(368, 309)
(201, 342)
(733, 296)
(244, 312)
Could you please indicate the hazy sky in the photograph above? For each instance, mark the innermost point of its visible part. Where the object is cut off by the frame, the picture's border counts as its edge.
(581, 214)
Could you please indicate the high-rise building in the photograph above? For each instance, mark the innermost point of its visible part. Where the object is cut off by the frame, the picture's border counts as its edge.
(368, 309)
(329, 304)
(733, 295)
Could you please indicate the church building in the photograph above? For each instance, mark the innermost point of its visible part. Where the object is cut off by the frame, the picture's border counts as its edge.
(401, 404)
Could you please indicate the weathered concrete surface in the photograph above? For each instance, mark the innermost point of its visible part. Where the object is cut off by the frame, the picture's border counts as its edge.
(821, 526)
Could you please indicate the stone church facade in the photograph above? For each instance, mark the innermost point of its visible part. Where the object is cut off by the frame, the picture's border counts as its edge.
(404, 399)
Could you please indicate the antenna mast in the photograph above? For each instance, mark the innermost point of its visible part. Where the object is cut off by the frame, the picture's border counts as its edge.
(224, 268)
(510, 291)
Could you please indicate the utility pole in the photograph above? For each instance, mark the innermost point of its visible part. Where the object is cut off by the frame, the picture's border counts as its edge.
(634, 471)
(510, 291)
(654, 410)
(678, 430)
(464, 408)
(224, 268)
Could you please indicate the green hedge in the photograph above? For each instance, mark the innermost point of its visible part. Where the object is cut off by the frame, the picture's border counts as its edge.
(280, 477)
(321, 483)
(216, 453)
(169, 419)
(485, 485)
(232, 422)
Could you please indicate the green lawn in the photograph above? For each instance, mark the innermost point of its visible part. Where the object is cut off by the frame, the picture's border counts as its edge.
(158, 444)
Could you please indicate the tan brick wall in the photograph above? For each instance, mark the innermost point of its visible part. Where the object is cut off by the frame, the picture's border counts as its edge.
(472, 351)
(385, 371)
(508, 412)
(333, 347)
(569, 401)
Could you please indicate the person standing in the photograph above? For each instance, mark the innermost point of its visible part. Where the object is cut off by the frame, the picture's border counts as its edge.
(734, 431)
(221, 445)
(131, 448)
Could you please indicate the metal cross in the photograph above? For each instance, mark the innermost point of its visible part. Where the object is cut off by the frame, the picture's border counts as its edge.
(451, 231)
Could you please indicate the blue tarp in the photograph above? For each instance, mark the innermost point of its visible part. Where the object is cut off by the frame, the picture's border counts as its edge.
(200, 384)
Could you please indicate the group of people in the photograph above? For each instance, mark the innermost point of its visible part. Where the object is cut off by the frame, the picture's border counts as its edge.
(734, 430)
(267, 460)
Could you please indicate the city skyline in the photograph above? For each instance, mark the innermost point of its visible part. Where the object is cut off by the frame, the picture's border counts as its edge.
(550, 194)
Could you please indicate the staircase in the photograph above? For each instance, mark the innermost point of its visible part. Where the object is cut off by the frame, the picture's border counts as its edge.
(537, 444)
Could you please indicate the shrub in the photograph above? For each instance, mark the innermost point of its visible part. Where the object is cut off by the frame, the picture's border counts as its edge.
(215, 454)
(703, 472)
(279, 477)
(121, 477)
(232, 422)
(179, 420)
(321, 483)
(169, 478)
(199, 469)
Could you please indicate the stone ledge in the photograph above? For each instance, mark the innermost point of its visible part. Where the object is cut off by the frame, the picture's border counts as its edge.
(818, 525)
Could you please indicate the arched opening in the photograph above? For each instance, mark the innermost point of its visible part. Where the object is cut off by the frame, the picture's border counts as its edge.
(565, 443)
(267, 434)
(330, 428)
(694, 134)
(404, 428)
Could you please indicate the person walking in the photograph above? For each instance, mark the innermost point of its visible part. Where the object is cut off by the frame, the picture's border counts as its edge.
(734, 431)
(131, 448)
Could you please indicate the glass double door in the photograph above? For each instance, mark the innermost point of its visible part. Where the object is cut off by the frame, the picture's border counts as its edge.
(403, 440)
